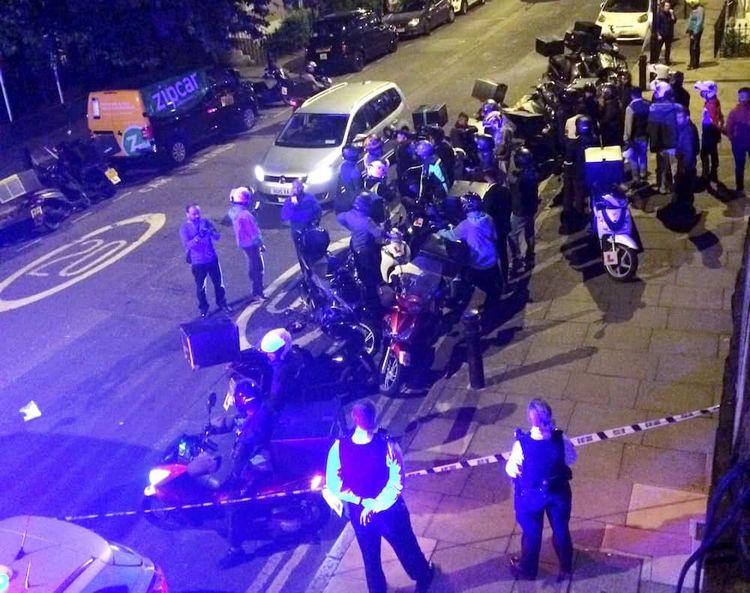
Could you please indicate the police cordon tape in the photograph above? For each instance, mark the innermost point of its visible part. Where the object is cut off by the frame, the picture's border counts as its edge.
(579, 441)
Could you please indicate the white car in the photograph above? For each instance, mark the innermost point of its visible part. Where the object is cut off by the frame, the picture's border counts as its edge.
(46, 555)
(462, 6)
(625, 20)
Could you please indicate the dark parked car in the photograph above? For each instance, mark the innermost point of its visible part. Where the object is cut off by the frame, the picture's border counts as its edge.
(349, 39)
(420, 17)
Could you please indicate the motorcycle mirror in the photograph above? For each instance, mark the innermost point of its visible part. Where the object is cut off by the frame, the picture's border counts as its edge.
(211, 401)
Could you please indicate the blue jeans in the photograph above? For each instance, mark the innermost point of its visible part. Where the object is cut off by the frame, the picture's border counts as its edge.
(521, 225)
(638, 158)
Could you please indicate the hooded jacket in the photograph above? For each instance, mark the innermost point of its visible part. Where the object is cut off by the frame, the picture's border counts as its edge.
(478, 232)
(738, 126)
(662, 126)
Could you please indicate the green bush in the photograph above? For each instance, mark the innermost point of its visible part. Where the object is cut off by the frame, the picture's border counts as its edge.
(326, 6)
(736, 43)
(292, 34)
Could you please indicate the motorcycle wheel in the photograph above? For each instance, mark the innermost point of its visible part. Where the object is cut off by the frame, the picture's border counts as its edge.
(305, 514)
(53, 215)
(391, 374)
(167, 520)
(626, 266)
(372, 339)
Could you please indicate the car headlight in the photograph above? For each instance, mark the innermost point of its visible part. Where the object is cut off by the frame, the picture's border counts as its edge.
(413, 22)
(643, 18)
(260, 174)
(157, 475)
(320, 175)
(601, 18)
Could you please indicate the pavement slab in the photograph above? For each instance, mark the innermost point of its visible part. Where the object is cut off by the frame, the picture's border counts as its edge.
(620, 392)
(618, 336)
(669, 341)
(683, 368)
(464, 520)
(673, 398)
(600, 500)
(681, 470)
(709, 320)
(664, 509)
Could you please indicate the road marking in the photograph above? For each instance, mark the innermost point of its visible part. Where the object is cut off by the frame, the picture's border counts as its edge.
(280, 580)
(81, 217)
(122, 196)
(28, 245)
(80, 253)
(259, 582)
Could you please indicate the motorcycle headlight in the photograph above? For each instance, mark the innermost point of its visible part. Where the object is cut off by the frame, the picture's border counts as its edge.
(320, 175)
(260, 174)
(157, 476)
(643, 18)
(413, 22)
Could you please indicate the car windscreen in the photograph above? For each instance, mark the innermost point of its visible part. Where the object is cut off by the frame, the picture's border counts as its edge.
(313, 130)
(331, 28)
(626, 6)
(411, 6)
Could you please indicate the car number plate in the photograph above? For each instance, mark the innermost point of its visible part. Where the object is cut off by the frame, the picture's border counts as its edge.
(610, 258)
(284, 91)
(283, 190)
(37, 212)
(400, 30)
(112, 175)
(418, 222)
(323, 56)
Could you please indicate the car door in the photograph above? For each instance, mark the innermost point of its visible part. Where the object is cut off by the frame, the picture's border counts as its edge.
(378, 37)
(440, 10)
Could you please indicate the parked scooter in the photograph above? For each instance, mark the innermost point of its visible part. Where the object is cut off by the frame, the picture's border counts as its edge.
(292, 465)
(274, 87)
(612, 221)
(25, 199)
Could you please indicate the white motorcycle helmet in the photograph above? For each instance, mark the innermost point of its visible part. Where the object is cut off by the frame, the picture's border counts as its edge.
(377, 169)
(661, 89)
(276, 342)
(240, 195)
(706, 88)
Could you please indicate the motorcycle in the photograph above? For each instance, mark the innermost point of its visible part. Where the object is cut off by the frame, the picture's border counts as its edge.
(286, 482)
(611, 219)
(274, 86)
(25, 199)
(296, 92)
(589, 57)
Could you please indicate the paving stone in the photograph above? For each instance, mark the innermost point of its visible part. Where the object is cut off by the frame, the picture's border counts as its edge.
(512, 353)
(601, 572)
(536, 379)
(700, 276)
(598, 499)
(595, 417)
(571, 310)
(692, 297)
(451, 483)
(670, 341)
(657, 274)
(673, 398)
(697, 434)
(421, 504)
(563, 356)
(620, 363)
(725, 343)
(441, 437)
(586, 533)
(600, 389)
(665, 509)
(554, 334)
(466, 520)
(489, 483)
(668, 468)
(718, 322)
(618, 336)
(514, 414)
(644, 542)
(495, 438)
(640, 316)
(472, 569)
(726, 301)
(682, 368)
(601, 461)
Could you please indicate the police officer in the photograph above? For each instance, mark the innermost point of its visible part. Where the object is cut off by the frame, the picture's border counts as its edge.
(539, 465)
(365, 469)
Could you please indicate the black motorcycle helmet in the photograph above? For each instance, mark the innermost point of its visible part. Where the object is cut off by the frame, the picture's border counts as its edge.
(485, 143)
(584, 126)
(522, 158)
(608, 91)
(434, 132)
(246, 396)
(363, 203)
(350, 153)
(424, 149)
(471, 202)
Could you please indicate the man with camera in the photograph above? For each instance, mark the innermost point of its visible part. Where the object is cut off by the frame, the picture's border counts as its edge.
(197, 235)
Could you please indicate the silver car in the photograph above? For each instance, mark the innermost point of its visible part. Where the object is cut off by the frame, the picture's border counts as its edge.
(309, 146)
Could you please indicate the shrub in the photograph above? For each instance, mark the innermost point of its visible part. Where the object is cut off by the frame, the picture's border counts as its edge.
(292, 34)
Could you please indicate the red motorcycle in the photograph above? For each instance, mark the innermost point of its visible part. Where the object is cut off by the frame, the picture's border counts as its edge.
(183, 489)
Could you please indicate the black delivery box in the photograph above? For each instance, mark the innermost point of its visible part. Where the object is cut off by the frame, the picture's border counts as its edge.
(588, 27)
(484, 90)
(429, 115)
(550, 46)
(210, 342)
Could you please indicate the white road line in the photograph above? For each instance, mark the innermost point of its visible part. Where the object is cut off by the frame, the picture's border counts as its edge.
(81, 217)
(259, 582)
(28, 245)
(123, 195)
(281, 578)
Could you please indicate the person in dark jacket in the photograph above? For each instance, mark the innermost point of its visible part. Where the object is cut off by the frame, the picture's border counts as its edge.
(738, 131)
(635, 134)
(665, 21)
(302, 211)
(575, 161)
(539, 464)
(680, 94)
(524, 190)
(687, 154)
(365, 470)
(496, 202)
(610, 117)
(662, 135)
(350, 179)
(404, 157)
(443, 150)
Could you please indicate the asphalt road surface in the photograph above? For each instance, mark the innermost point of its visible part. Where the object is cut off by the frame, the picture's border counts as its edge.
(89, 317)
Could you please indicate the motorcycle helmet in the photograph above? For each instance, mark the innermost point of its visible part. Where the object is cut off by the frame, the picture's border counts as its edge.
(362, 203)
(310, 67)
(377, 169)
(584, 126)
(434, 132)
(488, 107)
(374, 145)
(471, 202)
(661, 89)
(589, 87)
(350, 153)
(485, 143)
(424, 149)
(494, 119)
(706, 88)
(276, 342)
(522, 158)
(246, 394)
(240, 195)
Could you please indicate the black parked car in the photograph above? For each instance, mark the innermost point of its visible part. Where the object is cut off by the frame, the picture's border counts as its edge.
(420, 17)
(349, 39)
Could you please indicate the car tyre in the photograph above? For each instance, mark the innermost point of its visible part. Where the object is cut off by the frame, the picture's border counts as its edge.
(359, 61)
(176, 152)
(54, 213)
(465, 6)
(426, 28)
(393, 46)
(451, 16)
(248, 118)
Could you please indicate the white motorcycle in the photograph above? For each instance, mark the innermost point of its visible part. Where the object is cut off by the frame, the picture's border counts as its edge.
(610, 211)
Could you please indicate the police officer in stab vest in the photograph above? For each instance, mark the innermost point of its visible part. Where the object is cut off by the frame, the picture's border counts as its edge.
(539, 464)
(366, 471)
